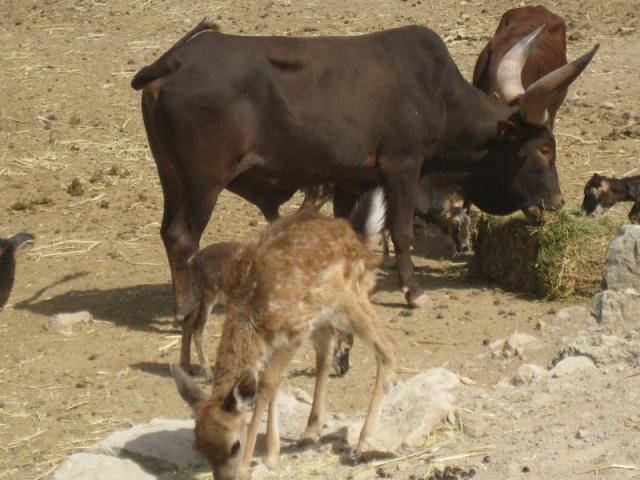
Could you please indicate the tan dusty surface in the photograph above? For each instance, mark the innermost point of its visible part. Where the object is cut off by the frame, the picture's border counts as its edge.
(67, 112)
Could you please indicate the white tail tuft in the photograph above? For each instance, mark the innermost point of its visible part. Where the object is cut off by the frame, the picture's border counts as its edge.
(377, 217)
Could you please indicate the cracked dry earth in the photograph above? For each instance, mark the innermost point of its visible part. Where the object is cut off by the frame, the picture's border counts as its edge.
(67, 113)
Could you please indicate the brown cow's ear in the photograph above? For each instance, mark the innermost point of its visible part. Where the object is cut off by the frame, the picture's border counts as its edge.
(506, 131)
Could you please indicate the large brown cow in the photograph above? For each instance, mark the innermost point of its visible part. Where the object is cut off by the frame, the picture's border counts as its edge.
(265, 116)
(508, 77)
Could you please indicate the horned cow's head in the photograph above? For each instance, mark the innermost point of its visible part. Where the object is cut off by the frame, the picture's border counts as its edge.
(525, 149)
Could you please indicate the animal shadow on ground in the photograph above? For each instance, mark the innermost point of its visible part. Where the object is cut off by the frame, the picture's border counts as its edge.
(160, 369)
(146, 307)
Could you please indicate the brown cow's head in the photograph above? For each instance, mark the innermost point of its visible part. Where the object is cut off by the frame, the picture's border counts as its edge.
(221, 428)
(523, 156)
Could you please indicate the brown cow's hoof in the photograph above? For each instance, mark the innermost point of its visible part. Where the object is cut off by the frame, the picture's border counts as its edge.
(416, 297)
(341, 363)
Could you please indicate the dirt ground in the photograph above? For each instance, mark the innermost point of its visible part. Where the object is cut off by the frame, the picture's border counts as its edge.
(67, 112)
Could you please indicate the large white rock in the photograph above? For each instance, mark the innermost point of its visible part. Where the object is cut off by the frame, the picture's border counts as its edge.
(93, 466)
(410, 412)
(294, 405)
(159, 444)
(622, 270)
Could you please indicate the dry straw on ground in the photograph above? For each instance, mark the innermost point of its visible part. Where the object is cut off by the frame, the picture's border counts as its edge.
(562, 257)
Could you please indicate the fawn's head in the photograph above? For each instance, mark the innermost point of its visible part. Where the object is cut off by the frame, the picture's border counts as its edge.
(221, 426)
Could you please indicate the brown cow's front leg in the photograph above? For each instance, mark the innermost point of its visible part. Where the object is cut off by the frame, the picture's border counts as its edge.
(181, 230)
(401, 186)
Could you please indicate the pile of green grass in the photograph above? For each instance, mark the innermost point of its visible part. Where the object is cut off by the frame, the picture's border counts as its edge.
(563, 256)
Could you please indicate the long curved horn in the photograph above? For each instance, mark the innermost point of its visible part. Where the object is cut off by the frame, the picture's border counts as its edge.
(538, 97)
(509, 72)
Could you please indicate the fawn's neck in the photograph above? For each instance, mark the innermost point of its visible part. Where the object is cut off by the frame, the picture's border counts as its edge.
(240, 347)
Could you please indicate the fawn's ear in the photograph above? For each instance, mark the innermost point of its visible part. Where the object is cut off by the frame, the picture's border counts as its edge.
(243, 393)
(187, 388)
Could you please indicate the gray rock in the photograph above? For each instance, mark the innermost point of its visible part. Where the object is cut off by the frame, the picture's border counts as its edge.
(612, 306)
(601, 349)
(83, 466)
(571, 366)
(575, 313)
(516, 344)
(159, 445)
(622, 270)
(63, 322)
(528, 373)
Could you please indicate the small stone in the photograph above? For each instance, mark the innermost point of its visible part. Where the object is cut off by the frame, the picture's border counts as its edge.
(63, 322)
(608, 105)
(486, 459)
(581, 434)
(527, 373)
(525, 469)
(75, 188)
(103, 204)
(576, 35)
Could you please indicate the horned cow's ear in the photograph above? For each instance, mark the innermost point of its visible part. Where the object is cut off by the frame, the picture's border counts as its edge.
(243, 393)
(506, 131)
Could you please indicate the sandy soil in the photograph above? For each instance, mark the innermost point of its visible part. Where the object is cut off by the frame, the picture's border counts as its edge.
(68, 112)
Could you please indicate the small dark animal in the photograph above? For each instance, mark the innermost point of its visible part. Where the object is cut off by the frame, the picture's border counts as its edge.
(508, 73)
(9, 250)
(265, 116)
(602, 193)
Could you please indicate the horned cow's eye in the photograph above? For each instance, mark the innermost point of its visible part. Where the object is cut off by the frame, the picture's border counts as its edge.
(235, 448)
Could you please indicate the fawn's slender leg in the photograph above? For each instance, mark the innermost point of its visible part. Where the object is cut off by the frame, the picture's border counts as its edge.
(273, 433)
(200, 322)
(366, 326)
(188, 324)
(323, 340)
(269, 382)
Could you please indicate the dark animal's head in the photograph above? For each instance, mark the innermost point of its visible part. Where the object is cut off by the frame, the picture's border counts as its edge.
(597, 195)
(221, 429)
(9, 250)
(524, 151)
(458, 228)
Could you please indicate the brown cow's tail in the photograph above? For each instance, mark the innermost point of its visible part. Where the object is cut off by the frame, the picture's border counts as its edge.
(166, 64)
(368, 218)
